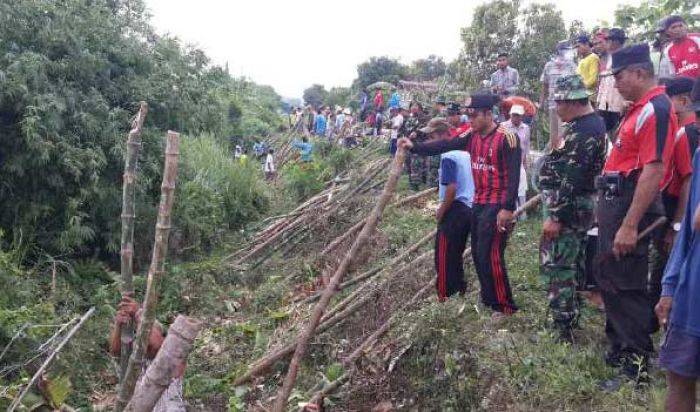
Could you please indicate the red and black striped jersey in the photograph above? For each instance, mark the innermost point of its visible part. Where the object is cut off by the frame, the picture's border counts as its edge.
(495, 163)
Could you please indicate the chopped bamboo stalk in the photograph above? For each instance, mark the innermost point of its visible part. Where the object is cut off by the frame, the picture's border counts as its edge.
(366, 344)
(133, 147)
(331, 289)
(414, 197)
(174, 351)
(155, 271)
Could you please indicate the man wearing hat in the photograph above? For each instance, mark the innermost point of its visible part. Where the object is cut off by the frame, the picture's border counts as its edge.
(417, 166)
(560, 65)
(588, 62)
(628, 203)
(456, 193)
(495, 154)
(454, 118)
(439, 106)
(610, 103)
(566, 180)
(675, 186)
(678, 309)
(517, 126)
(683, 50)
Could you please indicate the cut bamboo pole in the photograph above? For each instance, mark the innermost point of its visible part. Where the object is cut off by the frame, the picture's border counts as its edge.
(155, 271)
(365, 345)
(174, 351)
(331, 289)
(16, 402)
(133, 147)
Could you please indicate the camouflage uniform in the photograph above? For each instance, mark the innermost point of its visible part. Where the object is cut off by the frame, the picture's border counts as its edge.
(416, 165)
(566, 181)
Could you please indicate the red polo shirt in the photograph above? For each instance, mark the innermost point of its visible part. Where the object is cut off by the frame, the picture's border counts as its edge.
(645, 135)
(681, 165)
(458, 131)
(685, 56)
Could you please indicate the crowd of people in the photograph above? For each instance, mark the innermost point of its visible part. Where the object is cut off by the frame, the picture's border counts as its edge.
(623, 135)
(624, 131)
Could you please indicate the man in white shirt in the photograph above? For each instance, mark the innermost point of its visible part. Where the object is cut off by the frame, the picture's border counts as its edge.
(269, 166)
(516, 125)
(396, 123)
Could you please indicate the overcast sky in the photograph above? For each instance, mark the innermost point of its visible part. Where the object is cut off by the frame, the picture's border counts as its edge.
(293, 44)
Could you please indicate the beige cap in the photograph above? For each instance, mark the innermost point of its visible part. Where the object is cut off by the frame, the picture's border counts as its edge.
(517, 109)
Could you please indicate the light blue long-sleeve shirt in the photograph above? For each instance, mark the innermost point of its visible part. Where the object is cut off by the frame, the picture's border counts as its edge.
(305, 150)
(395, 100)
(320, 126)
(682, 275)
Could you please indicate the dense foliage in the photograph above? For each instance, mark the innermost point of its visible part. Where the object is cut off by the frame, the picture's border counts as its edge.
(71, 75)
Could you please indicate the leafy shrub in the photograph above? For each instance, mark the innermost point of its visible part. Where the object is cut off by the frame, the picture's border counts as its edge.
(305, 179)
(216, 193)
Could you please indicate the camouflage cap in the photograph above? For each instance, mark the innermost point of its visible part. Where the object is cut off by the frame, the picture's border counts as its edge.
(441, 100)
(570, 87)
(436, 124)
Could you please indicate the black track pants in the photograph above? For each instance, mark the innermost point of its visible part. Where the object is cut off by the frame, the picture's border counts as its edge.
(450, 241)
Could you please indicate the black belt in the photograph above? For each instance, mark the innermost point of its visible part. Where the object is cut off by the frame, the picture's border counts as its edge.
(615, 183)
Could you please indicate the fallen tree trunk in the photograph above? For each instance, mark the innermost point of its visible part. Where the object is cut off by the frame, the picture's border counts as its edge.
(155, 271)
(331, 289)
(174, 351)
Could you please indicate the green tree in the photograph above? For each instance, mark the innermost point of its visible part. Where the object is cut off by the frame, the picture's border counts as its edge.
(493, 29)
(429, 68)
(379, 69)
(338, 96)
(71, 75)
(640, 20)
(542, 26)
(315, 95)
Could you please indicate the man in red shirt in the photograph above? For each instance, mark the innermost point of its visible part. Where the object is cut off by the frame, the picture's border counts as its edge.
(675, 186)
(683, 51)
(495, 156)
(454, 118)
(629, 202)
(378, 99)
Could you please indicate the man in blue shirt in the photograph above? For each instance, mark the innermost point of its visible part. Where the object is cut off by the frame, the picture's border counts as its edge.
(320, 123)
(305, 149)
(456, 194)
(680, 351)
(395, 100)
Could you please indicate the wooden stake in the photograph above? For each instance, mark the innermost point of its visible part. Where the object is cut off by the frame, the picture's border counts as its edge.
(155, 271)
(174, 351)
(331, 289)
(133, 147)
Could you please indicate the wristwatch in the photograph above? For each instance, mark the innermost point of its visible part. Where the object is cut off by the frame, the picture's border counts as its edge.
(677, 227)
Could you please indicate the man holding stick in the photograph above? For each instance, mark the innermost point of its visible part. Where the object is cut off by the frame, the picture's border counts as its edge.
(629, 202)
(495, 156)
(566, 181)
(453, 216)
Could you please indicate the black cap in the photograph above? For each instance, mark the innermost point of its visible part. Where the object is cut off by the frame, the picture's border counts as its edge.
(626, 56)
(583, 38)
(677, 85)
(668, 21)
(617, 34)
(453, 108)
(695, 96)
(482, 101)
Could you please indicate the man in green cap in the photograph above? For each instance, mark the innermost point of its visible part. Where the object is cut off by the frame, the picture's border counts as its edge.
(416, 165)
(566, 181)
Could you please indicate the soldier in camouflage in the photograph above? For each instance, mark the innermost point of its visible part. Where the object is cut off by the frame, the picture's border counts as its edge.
(566, 181)
(416, 165)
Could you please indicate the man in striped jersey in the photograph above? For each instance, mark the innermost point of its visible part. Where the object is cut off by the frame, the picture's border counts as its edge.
(495, 157)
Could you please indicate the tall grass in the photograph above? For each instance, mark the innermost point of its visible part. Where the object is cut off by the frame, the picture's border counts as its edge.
(216, 193)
